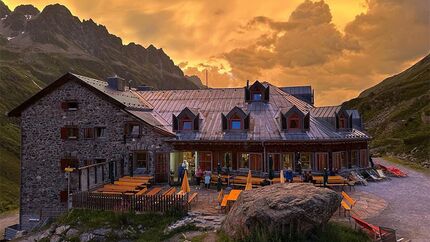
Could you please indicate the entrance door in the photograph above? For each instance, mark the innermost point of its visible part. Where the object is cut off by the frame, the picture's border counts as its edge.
(162, 167)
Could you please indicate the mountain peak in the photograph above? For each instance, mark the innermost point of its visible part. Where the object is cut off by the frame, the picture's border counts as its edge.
(56, 10)
(27, 9)
(4, 9)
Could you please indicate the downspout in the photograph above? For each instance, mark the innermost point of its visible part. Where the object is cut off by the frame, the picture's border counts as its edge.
(264, 155)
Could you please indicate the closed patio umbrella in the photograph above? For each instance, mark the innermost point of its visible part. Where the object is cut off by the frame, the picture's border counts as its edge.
(281, 176)
(185, 185)
(249, 181)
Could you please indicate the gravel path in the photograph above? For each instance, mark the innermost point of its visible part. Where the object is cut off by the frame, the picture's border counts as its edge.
(7, 220)
(408, 199)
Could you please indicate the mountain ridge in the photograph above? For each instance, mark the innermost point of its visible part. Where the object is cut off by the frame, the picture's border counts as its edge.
(37, 47)
(396, 113)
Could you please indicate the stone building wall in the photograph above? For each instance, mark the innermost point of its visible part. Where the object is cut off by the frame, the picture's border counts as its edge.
(42, 179)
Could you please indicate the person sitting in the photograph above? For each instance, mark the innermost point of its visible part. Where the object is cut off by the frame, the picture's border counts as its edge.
(310, 178)
(265, 182)
(289, 175)
(305, 176)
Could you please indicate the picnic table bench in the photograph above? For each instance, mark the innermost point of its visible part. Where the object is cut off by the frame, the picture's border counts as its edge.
(154, 191)
(169, 191)
(332, 181)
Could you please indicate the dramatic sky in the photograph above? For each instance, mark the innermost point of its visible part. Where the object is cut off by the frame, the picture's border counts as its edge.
(340, 47)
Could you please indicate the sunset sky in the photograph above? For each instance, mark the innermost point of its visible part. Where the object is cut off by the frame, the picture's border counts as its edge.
(340, 47)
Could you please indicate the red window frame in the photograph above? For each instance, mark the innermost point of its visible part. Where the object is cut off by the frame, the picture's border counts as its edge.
(342, 122)
(294, 117)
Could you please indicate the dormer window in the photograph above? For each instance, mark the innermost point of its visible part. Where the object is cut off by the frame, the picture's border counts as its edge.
(257, 96)
(187, 120)
(257, 92)
(236, 119)
(187, 124)
(343, 120)
(295, 120)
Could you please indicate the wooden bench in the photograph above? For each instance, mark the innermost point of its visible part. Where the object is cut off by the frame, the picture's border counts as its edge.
(349, 199)
(346, 207)
(124, 183)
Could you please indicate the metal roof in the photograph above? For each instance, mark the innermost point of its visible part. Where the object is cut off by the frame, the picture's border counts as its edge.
(156, 109)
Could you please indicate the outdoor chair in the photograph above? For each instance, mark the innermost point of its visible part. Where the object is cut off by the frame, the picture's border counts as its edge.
(375, 231)
(372, 176)
(381, 174)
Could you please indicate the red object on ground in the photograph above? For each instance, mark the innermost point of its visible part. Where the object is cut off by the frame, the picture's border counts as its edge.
(393, 170)
(373, 229)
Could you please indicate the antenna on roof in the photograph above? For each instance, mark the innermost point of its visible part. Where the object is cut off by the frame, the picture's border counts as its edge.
(207, 86)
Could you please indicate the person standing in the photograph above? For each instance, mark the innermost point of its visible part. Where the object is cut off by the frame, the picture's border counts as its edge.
(180, 173)
(198, 176)
(207, 179)
(325, 177)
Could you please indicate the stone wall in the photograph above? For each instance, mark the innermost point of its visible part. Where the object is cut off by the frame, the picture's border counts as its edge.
(42, 179)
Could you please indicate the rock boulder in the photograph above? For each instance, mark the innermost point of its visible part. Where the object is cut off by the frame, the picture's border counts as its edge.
(293, 208)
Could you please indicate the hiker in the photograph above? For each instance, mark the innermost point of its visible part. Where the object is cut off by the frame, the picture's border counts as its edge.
(207, 179)
(198, 176)
(325, 177)
(180, 173)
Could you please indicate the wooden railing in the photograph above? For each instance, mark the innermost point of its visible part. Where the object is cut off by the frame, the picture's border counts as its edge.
(125, 203)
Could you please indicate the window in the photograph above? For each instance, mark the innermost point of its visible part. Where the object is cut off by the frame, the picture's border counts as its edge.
(132, 129)
(227, 160)
(70, 105)
(339, 160)
(69, 133)
(355, 158)
(257, 97)
(205, 159)
(255, 161)
(88, 133)
(321, 161)
(363, 158)
(243, 161)
(288, 160)
(100, 132)
(276, 158)
(294, 122)
(187, 125)
(306, 159)
(236, 124)
(142, 160)
(342, 122)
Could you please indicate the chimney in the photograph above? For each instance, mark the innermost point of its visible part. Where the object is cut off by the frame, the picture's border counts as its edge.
(247, 84)
(116, 83)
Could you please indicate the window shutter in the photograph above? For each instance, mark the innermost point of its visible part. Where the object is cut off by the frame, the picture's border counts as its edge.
(64, 133)
(63, 196)
(224, 122)
(307, 122)
(246, 122)
(337, 121)
(76, 132)
(64, 105)
(64, 163)
(196, 122)
(283, 122)
(175, 123)
(126, 129)
(266, 94)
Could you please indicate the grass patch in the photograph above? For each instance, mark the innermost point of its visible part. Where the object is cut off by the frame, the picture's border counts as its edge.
(153, 224)
(412, 165)
(332, 232)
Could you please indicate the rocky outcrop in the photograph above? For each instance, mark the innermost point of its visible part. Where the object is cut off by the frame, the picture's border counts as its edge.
(294, 208)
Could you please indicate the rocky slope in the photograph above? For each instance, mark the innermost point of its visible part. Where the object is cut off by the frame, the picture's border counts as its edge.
(397, 113)
(36, 47)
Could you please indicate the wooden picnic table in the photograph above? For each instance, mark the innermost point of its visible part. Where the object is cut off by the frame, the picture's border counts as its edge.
(233, 195)
(138, 177)
(126, 183)
(154, 191)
